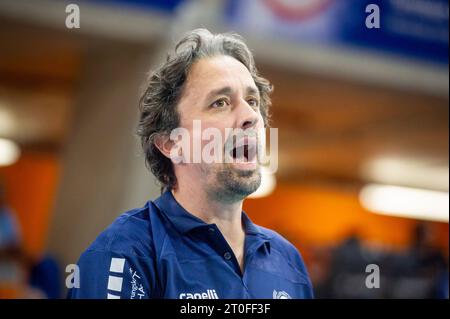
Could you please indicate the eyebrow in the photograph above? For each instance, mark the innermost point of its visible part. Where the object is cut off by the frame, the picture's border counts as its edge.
(226, 90)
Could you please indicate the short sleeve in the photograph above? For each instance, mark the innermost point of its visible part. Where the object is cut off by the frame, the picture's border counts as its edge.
(110, 275)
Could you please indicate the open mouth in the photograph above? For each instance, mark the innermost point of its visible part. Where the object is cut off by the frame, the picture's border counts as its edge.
(244, 151)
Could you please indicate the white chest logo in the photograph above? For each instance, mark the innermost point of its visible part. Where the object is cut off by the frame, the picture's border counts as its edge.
(281, 295)
(209, 294)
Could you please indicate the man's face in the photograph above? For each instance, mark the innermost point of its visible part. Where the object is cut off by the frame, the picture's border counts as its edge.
(221, 93)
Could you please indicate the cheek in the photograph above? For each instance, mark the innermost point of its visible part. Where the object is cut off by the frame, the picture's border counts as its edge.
(217, 127)
(187, 120)
(260, 123)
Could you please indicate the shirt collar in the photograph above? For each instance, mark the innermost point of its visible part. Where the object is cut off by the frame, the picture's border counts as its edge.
(253, 230)
(181, 219)
(184, 221)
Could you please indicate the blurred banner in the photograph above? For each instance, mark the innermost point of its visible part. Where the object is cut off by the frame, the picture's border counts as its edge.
(167, 6)
(417, 29)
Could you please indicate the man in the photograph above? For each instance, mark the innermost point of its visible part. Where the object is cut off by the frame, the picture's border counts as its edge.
(195, 241)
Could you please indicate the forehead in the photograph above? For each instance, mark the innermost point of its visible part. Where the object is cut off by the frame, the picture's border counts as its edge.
(214, 72)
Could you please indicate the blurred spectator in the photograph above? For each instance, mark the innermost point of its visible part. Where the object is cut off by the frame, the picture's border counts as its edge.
(422, 266)
(347, 276)
(421, 271)
(20, 275)
(45, 275)
(9, 227)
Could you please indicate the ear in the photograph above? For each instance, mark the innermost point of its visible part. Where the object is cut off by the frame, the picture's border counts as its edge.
(164, 144)
(169, 149)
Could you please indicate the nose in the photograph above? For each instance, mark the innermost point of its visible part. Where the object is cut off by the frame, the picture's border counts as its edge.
(247, 116)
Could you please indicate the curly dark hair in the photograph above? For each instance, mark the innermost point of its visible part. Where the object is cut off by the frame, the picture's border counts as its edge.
(164, 87)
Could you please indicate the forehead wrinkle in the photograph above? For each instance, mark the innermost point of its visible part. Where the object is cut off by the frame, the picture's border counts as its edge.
(220, 70)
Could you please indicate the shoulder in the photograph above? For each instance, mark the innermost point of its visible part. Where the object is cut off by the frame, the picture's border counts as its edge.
(279, 242)
(130, 234)
(286, 249)
(120, 262)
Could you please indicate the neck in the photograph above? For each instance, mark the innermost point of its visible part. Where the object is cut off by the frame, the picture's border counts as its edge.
(227, 216)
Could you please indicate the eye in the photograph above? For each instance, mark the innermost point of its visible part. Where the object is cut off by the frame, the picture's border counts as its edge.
(220, 103)
(253, 102)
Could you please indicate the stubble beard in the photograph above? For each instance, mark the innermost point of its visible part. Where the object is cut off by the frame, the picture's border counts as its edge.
(226, 184)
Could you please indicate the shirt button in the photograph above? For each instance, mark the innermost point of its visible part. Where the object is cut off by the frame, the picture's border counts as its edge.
(227, 256)
(211, 230)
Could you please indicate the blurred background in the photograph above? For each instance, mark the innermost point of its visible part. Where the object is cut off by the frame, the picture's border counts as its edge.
(362, 117)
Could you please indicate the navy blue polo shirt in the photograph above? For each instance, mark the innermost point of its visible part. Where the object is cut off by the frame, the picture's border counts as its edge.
(163, 251)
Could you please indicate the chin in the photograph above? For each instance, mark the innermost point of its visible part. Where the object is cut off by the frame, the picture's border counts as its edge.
(231, 184)
(244, 182)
